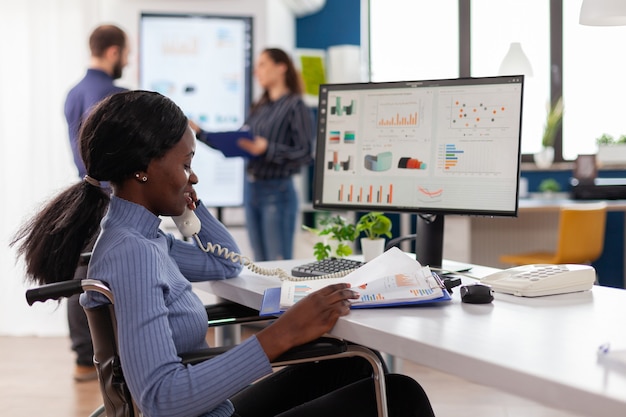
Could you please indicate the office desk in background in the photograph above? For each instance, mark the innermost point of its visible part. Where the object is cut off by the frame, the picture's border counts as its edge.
(481, 240)
(544, 349)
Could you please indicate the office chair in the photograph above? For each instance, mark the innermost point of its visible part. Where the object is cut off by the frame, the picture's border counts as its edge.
(117, 400)
(580, 238)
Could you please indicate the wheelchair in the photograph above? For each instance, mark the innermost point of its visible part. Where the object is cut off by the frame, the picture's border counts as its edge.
(117, 400)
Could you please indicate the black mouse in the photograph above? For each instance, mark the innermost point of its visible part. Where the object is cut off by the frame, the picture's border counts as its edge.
(476, 294)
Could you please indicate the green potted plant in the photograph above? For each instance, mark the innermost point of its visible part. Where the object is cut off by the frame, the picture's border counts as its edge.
(338, 234)
(549, 186)
(374, 224)
(553, 123)
(554, 118)
(605, 139)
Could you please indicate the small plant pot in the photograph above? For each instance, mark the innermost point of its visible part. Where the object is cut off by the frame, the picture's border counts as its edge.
(611, 154)
(544, 158)
(372, 248)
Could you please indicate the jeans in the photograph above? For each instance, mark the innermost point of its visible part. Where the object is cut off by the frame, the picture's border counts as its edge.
(271, 208)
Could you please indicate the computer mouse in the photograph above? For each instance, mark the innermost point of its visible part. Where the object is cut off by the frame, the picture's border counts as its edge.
(476, 294)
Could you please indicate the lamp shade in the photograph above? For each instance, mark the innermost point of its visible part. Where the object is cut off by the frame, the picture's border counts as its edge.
(603, 13)
(344, 64)
(515, 62)
(303, 8)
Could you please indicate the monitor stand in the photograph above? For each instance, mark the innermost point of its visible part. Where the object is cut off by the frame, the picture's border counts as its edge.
(429, 240)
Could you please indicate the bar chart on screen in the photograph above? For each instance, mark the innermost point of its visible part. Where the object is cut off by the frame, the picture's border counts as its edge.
(352, 193)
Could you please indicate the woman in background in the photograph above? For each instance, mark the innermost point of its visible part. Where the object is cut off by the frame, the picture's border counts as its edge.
(283, 142)
(282, 126)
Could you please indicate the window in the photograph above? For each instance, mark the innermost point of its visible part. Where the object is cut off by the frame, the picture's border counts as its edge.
(419, 39)
(593, 82)
(414, 39)
(494, 25)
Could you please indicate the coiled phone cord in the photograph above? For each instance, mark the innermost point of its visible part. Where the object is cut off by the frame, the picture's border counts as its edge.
(235, 257)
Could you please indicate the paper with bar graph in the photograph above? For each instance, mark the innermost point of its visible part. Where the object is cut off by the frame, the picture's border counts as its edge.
(391, 279)
(413, 286)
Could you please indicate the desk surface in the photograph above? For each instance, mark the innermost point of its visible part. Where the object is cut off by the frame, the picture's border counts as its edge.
(554, 204)
(542, 348)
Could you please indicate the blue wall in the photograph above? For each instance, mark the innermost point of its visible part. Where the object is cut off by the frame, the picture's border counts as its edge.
(338, 23)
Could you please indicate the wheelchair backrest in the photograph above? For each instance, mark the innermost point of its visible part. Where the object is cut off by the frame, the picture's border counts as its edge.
(115, 394)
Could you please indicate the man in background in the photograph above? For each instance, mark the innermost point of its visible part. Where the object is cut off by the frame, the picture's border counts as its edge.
(109, 55)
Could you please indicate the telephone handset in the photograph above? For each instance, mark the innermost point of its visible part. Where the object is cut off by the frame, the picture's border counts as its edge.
(189, 226)
(542, 279)
(188, 223)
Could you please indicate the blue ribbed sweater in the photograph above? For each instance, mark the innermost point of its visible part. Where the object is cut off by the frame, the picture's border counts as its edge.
(159, 316)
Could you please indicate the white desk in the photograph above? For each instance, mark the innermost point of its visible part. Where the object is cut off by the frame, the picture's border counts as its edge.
(543, 348)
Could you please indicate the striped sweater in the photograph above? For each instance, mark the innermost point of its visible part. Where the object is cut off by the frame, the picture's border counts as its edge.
(159, 316)
(287, 124)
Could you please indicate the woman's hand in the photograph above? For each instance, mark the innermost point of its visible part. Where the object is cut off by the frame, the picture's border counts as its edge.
(196, 129)
(256, 146)
(308, 319)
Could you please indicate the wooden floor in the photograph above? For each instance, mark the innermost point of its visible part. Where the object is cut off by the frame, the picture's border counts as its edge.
(36, 379)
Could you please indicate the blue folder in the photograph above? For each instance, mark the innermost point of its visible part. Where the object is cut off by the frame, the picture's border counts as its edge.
(270, 306)
(226, 142)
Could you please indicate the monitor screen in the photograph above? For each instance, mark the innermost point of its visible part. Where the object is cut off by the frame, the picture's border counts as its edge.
(434, 147)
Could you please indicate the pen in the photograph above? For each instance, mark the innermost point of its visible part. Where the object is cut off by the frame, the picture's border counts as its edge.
(604, 348)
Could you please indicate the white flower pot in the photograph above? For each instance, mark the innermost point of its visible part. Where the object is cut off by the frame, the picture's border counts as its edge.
(544, 158)
(372, 248)
(614, 154)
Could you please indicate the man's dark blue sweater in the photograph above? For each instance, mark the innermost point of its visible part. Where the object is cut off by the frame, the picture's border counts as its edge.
(94, 86)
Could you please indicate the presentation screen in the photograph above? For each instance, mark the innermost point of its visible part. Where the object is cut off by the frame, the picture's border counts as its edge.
(204, 64)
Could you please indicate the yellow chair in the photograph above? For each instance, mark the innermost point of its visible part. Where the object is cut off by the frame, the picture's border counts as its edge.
(580, 240)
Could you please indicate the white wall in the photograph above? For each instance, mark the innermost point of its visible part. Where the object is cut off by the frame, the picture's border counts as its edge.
(44, 52)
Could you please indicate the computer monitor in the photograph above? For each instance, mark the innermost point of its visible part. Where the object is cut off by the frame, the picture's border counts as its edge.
(432, 148)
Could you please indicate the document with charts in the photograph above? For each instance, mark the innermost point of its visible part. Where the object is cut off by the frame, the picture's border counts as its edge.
(391, 279)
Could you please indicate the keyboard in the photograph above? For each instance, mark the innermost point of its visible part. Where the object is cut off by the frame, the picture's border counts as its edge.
(325, 267)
